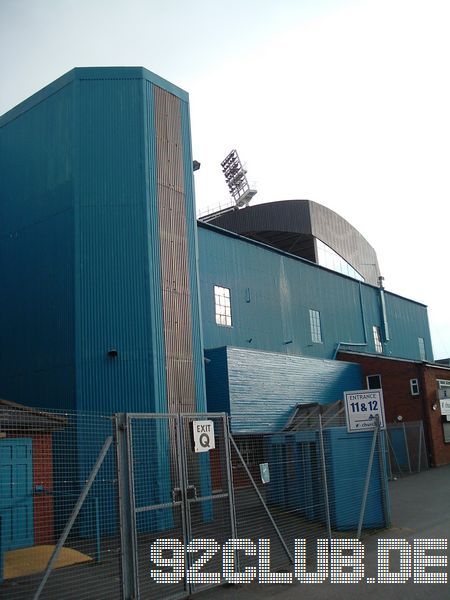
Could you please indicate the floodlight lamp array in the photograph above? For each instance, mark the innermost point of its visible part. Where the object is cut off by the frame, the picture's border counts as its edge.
(235, 175)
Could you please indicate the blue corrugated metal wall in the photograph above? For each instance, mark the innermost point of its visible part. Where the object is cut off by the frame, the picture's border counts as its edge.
(112, 286)
(191, 230)
(79, 245)
(36, 251)
(272, 293)
(261, 389)
(80, 253)
(217, 382)
(81, 270)
(407, 322)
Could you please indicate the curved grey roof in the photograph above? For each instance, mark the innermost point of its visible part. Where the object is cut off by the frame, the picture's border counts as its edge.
(293, 226)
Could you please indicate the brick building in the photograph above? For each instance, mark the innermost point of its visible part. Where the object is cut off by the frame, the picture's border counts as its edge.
(412, 391)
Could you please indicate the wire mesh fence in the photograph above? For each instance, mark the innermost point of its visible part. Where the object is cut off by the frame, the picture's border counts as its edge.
(145, 505)
(179, 496)
(407, 451)
(309, 482)
(58, 505)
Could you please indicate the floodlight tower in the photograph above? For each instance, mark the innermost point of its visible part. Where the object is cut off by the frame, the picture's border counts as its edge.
(236, 179)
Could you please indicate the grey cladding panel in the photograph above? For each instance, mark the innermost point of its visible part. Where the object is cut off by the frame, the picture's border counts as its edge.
(292, 225)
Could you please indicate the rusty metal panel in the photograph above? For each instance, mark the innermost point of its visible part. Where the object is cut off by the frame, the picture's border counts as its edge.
(177, 313)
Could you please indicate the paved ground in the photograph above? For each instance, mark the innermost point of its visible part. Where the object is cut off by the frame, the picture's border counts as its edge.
(420, 509)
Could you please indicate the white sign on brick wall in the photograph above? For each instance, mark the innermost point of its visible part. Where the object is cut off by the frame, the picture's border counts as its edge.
(362, 408)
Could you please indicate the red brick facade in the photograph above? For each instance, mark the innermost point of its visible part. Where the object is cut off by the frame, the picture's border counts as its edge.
(43, 477)
(396, 375)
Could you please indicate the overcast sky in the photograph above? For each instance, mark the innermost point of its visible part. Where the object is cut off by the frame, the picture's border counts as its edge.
(344, 102)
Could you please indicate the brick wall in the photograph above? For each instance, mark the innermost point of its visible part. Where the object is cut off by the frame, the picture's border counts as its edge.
(440, 449)
(398, 400)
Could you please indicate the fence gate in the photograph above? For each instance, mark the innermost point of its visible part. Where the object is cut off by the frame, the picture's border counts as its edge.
(171, 494)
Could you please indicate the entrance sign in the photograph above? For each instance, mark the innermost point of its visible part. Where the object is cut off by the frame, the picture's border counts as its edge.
(203, 432)
(362, 407)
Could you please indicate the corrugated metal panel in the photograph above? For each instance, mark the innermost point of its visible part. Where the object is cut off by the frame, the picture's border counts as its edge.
(264, 387)
(174, 254)
(289, 225)
(191, 232)
(155, 315)
(407, 322)
(89, 211)
(272, 293)
(347, 241)
(36, 251)
(113, 300)
(217, 389)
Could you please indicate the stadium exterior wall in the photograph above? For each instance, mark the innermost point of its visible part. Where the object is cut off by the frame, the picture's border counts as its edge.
(272, 294)
(98, 249)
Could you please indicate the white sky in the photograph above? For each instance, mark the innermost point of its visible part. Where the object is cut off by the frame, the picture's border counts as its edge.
(344, 102)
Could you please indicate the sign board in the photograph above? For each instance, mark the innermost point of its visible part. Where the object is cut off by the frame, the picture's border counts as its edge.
(361, 408)
(203, 432)
(445, 406)
(265, 473)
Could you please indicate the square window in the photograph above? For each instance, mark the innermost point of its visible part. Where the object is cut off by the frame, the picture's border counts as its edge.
(373, 382)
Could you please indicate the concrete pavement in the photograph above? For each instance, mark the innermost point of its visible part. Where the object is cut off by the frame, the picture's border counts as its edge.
(420, 506)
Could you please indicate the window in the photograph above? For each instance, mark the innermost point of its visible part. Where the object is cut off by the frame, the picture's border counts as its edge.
(330, 259)
(377, 340)
(316, 330)
(373, 382)
(443, 393)
(414, 385)
(446, 428)
(222, 303)
(422, 353)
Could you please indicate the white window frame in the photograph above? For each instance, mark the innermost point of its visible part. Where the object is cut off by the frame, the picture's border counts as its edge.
(222, 306)
(315, 325)
(414, 386)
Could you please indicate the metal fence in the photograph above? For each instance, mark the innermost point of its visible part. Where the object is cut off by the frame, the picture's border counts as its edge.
(139, 506)
(58, 506)
(407, 451)
(312, 481)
